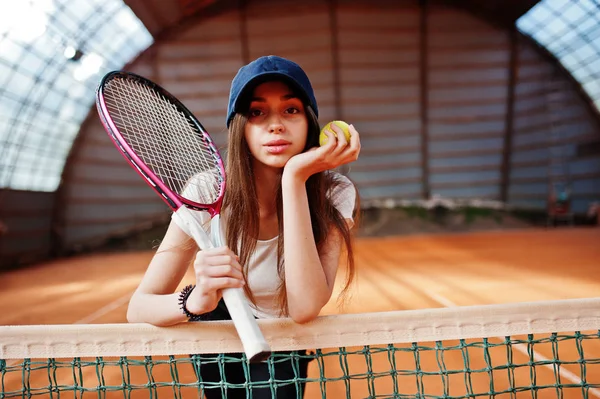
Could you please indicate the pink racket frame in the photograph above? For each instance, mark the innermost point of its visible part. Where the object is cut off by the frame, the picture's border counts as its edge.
(173, 199)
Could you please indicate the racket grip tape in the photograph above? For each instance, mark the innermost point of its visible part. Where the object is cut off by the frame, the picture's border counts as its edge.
(253, 341)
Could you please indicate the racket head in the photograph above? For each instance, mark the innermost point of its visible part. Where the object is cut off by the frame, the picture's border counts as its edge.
(162, 140)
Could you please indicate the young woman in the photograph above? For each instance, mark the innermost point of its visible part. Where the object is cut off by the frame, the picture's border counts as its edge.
(286, 219)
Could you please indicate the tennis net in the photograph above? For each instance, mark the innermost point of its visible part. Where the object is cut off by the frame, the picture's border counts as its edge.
(525, 350)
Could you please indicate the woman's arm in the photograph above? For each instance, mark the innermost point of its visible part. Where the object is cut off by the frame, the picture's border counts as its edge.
(155, 300)
(310, 276)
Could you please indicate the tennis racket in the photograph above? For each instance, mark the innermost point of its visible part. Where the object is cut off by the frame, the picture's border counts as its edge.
(173, 152)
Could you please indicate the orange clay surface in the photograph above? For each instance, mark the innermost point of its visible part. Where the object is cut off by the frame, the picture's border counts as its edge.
(396, 273)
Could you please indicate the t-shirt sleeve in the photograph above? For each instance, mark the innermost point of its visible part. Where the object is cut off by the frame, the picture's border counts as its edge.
(343, 196)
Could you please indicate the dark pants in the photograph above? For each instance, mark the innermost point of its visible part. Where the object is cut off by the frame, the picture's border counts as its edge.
(287, 367)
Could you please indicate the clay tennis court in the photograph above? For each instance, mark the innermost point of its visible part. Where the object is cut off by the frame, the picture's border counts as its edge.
(395, 273)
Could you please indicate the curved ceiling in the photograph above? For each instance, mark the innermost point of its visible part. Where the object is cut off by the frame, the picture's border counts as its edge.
(53, 53)
(570, 30)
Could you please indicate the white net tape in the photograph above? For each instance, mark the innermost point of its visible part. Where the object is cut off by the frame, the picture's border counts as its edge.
(18, 342)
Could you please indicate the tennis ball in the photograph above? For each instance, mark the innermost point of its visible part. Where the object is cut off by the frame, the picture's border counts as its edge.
(341, 124)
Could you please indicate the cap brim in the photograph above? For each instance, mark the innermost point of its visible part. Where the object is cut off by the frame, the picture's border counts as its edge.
(250, 85)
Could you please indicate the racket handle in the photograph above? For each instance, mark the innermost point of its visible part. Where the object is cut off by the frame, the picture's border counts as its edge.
(253, 341)
(255, 346)
(187, 217)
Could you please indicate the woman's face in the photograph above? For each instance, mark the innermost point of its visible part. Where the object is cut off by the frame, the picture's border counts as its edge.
(277, 126)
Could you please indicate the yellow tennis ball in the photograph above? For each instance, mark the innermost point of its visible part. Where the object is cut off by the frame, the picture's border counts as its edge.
(341, 124)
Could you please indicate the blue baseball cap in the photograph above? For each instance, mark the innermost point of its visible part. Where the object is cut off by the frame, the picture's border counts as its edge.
(263, 69)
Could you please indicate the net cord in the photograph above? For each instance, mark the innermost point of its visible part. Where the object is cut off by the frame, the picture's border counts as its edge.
(58, 341)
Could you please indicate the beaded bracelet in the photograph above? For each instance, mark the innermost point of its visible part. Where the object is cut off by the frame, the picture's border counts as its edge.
(183, 297)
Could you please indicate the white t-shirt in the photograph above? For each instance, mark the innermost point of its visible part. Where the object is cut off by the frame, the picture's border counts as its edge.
(263, 278)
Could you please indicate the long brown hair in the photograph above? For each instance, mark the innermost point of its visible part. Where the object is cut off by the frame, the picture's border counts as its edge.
(240, 200)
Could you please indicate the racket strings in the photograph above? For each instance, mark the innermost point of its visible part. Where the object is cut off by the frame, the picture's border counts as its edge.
(165, 139)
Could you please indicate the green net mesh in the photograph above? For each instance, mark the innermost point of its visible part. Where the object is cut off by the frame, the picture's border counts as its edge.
(463, 369)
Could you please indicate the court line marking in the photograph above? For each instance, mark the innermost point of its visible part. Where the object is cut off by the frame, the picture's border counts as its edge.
(104, 310)
(572, 377)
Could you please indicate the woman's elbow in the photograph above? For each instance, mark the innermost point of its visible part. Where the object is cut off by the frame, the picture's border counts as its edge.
(133, 314)
(303, 317)
(304, 313)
